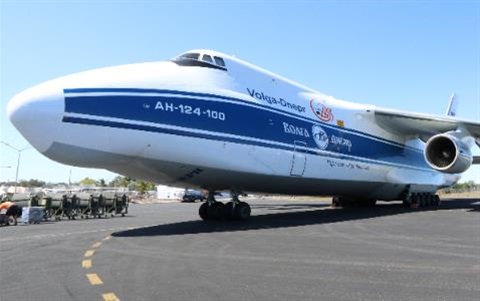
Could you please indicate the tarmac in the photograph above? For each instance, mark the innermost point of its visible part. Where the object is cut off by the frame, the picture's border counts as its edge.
(288, 250)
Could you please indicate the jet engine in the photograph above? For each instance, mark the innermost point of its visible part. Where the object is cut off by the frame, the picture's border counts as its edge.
(447, 153)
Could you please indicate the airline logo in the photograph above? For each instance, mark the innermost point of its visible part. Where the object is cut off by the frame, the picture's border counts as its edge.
(321, 111)
(320, 136)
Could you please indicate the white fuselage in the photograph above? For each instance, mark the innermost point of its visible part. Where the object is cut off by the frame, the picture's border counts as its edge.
(237, 127)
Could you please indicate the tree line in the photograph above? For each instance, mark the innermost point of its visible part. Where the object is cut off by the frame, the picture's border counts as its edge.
(117, 182)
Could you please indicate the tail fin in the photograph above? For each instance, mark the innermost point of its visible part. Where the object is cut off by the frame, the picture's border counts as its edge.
(452, 106)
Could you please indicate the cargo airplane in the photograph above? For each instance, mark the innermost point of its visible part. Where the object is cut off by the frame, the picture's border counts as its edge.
(205, 119)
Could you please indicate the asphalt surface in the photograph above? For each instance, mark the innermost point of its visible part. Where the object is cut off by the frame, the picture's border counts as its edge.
(288, 250)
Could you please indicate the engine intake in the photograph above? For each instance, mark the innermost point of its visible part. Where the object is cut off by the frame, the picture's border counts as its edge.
(446, 153)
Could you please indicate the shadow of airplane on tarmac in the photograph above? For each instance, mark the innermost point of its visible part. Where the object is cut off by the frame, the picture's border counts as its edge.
(311, 214)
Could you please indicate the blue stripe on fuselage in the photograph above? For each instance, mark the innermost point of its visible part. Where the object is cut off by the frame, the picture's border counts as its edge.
(87, 91)
(190, 134)
(240, 120)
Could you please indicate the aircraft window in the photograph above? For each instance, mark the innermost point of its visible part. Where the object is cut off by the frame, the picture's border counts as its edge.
(207, 58)
(192, 59)
(193, 56)
(219, 61)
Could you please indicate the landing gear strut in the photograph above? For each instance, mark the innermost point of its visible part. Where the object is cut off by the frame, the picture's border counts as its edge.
(233, 210)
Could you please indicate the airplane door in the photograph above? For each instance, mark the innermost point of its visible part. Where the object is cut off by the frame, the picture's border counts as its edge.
(299, 159)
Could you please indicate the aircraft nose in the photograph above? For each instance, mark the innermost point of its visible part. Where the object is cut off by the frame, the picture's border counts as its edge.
(37, 113)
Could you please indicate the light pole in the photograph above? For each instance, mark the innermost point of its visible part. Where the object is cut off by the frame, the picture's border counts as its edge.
(19, 151)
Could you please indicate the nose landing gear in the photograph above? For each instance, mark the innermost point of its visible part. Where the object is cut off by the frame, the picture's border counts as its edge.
(233, 210)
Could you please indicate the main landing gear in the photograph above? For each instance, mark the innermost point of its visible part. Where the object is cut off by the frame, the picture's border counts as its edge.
(419, 200)
(233, 210)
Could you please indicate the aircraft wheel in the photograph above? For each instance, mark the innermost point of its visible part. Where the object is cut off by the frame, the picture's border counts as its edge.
(414, 201)
(228, 211)
(420, 201)
(12, 221)
(336, 202)
(425, 200)
(242, 211)
(216, 211)
(371, 202)
(203, 211)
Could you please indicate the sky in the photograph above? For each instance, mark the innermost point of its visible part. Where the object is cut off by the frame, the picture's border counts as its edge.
(406, 55)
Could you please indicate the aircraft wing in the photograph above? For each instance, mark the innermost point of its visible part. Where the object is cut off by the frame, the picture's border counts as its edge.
(423, 125)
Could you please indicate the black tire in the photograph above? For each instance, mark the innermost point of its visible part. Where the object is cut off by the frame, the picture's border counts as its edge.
(203, 212)
(216, 211)
(228, 211)
(242, 211)
(336, 202)
(431, 200)
(436, 200)
(12, 221)
(424, 200)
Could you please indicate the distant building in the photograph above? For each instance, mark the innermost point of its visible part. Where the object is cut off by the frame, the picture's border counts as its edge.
(167, 192)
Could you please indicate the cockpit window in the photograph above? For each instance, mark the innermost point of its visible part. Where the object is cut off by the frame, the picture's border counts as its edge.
(207, 58)
(193, 56)
(219, 61)
(193, 59)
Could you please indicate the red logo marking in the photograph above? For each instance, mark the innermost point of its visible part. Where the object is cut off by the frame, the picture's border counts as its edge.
(323, 113)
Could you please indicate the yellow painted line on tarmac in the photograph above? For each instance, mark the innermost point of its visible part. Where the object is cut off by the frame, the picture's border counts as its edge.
(94, 279)
(96, 245)
(89, 253)
(110, 297)
(87, 264)
(106, 238)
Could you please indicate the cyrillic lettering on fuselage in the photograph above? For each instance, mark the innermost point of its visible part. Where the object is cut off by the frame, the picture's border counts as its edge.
(295, 130)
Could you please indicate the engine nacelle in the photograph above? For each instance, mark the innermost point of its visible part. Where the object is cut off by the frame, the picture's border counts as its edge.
(447, 153)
